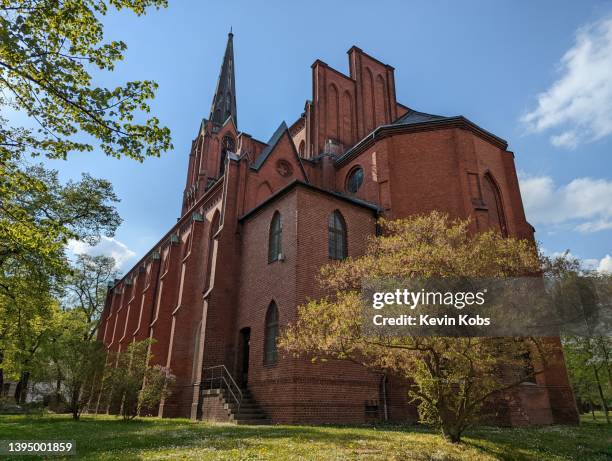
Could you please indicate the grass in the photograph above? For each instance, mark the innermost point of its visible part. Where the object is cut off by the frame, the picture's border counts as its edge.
(109, 438)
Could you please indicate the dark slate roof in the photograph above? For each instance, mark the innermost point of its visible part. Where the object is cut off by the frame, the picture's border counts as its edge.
(413, 120)
(297, 183)
(414, 116)
(224, 101)
(261, 158)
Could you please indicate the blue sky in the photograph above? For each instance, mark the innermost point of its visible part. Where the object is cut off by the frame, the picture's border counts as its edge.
(538, 74)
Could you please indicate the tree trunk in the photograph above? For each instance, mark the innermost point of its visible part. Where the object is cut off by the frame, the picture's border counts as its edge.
(58, 387)
(604, 404)
(75, 401)
(1, 373)
(17, 391)
(21, 390)
(606, 354)
(452, 433)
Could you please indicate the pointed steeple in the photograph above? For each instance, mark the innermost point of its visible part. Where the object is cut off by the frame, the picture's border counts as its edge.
(224, 102)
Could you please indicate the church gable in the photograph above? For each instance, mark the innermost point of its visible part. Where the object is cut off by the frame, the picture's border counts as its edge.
(275, 167)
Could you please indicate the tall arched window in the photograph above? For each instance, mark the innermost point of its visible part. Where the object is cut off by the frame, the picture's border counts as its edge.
(214, 227)
(196, 353)
(275, 241)
(271, 334)
(228, 145)
(492, 199)
(302, 148)
(336, 236)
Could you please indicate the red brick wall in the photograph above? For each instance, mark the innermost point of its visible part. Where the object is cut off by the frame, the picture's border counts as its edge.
(296, 390)
(405, 173)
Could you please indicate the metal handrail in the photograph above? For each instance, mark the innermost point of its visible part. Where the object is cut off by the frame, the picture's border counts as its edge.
(220, 374)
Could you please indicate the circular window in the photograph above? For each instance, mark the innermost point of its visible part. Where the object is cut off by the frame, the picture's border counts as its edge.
(284, 168)
(354, 180)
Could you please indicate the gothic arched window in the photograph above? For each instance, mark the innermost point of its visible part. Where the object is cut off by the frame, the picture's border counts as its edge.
(271, 334)
(302, 148)
(212, 230)
(337, 247)
(228, 145)
(275, 241)
(196, 353)
(492, 199)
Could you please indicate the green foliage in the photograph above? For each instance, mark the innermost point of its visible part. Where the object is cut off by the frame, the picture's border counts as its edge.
(48, 49)
(51, 53)
(27, 312)
(75, 360)
(70, 357)
(158, 382)
(588, 358)
(86, 288)
(589, 362)
(133, 383)
(452, 378)
(38, 215)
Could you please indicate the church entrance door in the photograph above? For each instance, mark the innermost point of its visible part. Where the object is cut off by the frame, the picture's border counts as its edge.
(245, 340)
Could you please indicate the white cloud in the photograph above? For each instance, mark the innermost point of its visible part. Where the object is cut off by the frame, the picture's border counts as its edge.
(568, 140)
(107, 246)
(595, 226)
(585, 203)
(605, 265)
(579, 104)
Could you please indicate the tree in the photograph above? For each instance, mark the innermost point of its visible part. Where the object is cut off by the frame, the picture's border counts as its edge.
(588, 356)
(588, 363)
(133, 383)
(75, 356)
(51, 51)
(27, 309)
(48, 49)
(38, 216)
(451, 379)
(87, 287)
(77, 359)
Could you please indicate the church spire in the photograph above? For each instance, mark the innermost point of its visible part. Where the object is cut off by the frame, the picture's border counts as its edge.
(224, 102)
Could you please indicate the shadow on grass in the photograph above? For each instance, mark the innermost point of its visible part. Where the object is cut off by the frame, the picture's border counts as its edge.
(592, 440)
(107, 435)
(111, 438)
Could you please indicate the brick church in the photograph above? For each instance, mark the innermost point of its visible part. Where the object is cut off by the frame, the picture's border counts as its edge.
(259, 219)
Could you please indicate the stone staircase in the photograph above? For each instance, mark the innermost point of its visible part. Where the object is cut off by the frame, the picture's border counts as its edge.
(224, 400)
(249, 413)
(221, 406)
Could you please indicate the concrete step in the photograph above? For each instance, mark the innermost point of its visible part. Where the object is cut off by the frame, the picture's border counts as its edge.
(249, 412)
(253, 422)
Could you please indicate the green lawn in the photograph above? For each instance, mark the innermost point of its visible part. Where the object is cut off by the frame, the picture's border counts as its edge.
(109, 438)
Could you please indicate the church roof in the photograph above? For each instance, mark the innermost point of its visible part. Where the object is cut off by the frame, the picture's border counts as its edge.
(297, 183)
(261, 158)
(224, 101)
(414, 116)
(415, 120)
